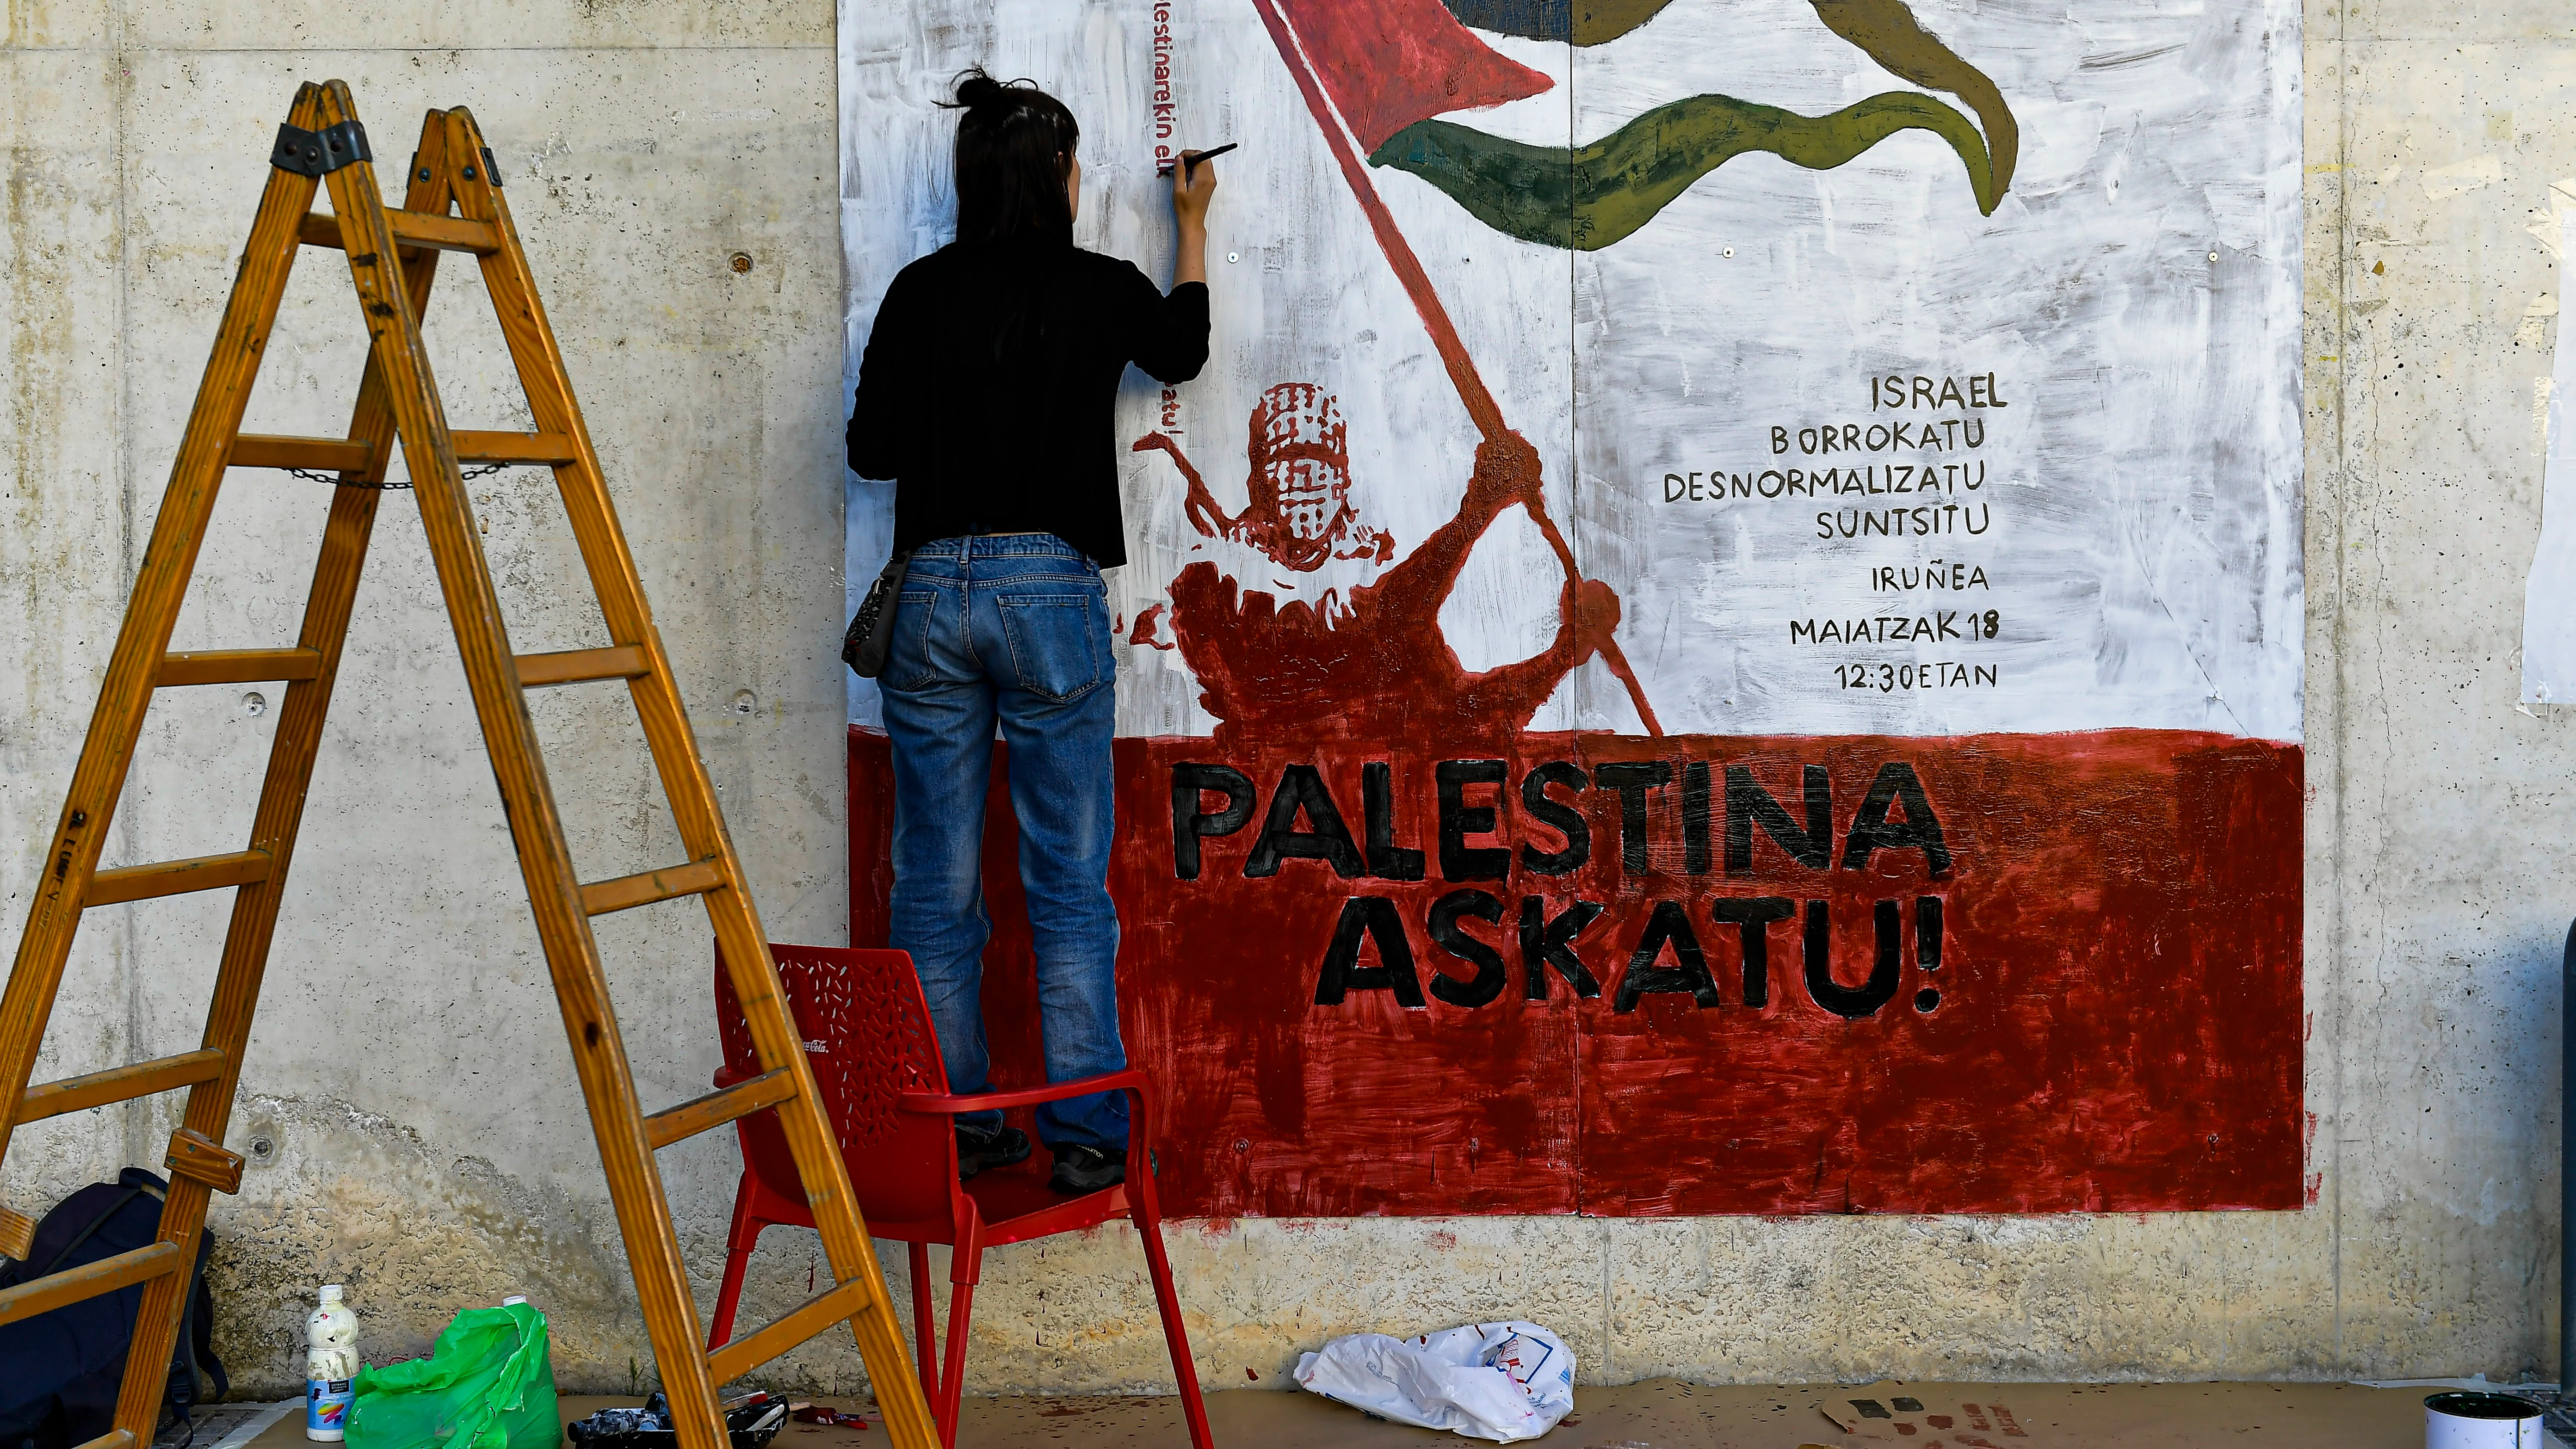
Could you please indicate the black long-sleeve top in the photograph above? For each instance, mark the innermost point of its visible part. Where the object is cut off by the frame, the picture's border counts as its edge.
(987, 387)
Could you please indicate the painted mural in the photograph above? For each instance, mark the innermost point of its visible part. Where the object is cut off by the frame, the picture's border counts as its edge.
(1723, 632)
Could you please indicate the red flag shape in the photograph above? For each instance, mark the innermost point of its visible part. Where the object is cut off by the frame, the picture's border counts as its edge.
(1390, 63)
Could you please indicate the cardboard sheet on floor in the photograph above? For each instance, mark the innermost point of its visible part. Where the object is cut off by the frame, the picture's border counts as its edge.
(1670, 1414)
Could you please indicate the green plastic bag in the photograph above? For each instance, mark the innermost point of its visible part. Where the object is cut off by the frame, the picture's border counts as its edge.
(487, 1384)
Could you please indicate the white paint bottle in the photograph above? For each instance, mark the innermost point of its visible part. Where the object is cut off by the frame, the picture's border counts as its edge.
(330, 1367)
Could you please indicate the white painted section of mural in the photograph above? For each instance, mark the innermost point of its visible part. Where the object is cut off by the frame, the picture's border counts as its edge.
(2134, 299)
(2123, 513)
(1298, 293)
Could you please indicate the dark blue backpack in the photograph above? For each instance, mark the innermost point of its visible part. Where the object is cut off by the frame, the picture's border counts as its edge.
(59, 1371)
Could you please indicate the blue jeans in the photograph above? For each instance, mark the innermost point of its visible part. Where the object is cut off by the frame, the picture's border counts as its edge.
(1013, 628)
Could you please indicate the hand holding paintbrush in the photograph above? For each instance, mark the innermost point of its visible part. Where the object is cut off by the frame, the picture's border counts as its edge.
(1190, 198)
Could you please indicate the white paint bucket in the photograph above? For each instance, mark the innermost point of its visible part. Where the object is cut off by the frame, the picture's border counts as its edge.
(2482, 1421)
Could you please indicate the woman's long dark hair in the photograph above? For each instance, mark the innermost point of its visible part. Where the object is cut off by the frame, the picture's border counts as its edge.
(1015, 146)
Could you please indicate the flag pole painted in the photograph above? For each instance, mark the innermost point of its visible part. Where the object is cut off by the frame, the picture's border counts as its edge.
(1488, 415)
(1479, 399)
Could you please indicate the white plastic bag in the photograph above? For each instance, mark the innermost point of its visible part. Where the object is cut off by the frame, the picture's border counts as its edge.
(1498, 1381)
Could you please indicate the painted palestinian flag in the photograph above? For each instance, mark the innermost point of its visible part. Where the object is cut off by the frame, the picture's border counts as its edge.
(1388, 64)
(1394, 66)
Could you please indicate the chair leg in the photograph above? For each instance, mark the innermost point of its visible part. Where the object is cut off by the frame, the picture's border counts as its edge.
(925, 1334)
(1167, 1300)
(738, 1246)
(966, 1264)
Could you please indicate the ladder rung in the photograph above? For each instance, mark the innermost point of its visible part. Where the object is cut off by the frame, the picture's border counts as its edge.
(89, 1280)
(238, 666)
(628, 891)
(177, 877)
(112, 1439)
(120, 1084)
(411, 228)
(276, 450)
(473, 447)
(342, 455)
(717, 1108)
(578, 666)
(816, 1314)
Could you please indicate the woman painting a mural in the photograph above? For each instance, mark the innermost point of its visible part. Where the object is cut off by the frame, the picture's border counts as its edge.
(985, 394)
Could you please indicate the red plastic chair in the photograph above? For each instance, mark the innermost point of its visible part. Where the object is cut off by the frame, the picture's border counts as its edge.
(868, 1036)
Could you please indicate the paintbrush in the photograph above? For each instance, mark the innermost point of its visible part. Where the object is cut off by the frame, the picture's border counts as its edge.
(1190, 163)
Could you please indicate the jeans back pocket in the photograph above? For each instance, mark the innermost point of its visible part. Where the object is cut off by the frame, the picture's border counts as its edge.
(1059, 640)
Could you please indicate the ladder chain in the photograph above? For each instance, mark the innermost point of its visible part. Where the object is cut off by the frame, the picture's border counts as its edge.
(487, 470)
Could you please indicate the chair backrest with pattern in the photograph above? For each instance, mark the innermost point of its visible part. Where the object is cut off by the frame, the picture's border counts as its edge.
(868, 1038)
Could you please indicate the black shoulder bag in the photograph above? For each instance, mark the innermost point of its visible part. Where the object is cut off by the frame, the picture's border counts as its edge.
(871, 631)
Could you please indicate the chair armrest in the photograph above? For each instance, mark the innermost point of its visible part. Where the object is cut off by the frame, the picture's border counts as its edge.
(1140, 1120)
(944, 1104)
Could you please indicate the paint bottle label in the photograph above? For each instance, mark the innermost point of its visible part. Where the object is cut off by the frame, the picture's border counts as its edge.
(330, 1367)
(326, 1408)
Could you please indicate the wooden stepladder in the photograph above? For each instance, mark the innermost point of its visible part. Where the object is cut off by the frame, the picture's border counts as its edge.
(453, 203)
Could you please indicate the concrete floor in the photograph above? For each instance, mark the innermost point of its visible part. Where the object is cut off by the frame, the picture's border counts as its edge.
(1669, 1414)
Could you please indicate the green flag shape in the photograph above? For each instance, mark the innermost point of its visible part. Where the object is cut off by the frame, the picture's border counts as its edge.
(1592, 196)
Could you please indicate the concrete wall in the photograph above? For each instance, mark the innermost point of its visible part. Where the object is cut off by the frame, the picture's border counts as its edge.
(427, 1135)
(429, 1143)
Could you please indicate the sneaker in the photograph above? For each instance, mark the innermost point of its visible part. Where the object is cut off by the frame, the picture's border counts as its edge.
(1080, 1169)
(1000, 1147)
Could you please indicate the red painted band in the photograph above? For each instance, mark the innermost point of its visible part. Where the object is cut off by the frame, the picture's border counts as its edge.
(2117, 965)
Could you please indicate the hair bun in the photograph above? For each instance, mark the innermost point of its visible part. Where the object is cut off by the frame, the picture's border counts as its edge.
(977, 91)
